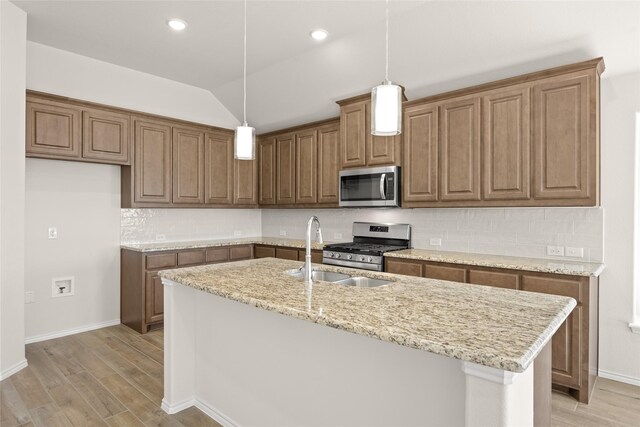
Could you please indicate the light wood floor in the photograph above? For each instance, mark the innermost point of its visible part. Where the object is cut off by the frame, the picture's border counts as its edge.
(113, 376)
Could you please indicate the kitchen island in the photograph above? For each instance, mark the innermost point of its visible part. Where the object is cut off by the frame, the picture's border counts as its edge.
(251, 345)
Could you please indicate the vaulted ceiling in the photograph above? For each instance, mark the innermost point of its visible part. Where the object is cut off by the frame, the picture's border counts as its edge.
(434, 45)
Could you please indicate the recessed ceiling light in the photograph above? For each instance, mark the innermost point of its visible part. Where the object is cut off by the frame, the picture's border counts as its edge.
(177, 24)
(319, 34)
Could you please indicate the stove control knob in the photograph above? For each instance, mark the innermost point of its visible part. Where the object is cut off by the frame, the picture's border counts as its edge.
(331, 254)
(369, 259)
(349, 256)
(337, 255)
(361, 259)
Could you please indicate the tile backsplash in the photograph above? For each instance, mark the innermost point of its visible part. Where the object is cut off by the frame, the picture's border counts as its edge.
(152, 225)
(510, 231)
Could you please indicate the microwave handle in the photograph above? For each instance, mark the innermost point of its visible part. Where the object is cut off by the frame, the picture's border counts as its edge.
(383, 184)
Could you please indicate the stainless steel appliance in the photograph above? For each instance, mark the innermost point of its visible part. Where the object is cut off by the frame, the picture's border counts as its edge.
(370, 187)
(370, 242)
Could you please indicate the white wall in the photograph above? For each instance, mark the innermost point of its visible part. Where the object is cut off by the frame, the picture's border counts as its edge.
(514, 231)
(149, 225)
(82, 201)
(619, 347)
(13, 36)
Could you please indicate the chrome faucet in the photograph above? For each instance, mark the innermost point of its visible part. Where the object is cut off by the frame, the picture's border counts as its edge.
(307, 258)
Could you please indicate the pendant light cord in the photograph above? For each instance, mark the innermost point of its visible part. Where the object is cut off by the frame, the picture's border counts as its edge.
(244, 70)
(386, 71)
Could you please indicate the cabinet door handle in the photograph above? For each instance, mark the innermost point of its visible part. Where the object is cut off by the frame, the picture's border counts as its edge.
(383, 181)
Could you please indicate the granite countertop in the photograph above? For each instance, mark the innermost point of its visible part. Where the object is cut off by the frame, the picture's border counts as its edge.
(196, 244)
(500, 328)
(574, 268)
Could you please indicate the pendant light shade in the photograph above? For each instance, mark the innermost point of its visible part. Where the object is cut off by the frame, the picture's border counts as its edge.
(386, 109)
(245, 142)
(386, 99)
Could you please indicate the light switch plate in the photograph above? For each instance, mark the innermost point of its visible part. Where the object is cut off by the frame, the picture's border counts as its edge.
(160, 237)
(29, 297)
(337, 236)
(283, 233)
(53, 233)
(237, 233)
(574, 252)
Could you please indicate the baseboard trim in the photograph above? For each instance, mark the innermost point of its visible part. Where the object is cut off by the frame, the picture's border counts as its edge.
(209, 410)
(72, 331)
(13, 369)
(619, 377)
(214, 413)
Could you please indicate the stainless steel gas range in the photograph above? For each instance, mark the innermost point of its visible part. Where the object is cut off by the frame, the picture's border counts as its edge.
(370, 242)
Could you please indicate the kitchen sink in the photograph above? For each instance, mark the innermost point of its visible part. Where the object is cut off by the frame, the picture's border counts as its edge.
(363, 282)
(338, 278)
(325, 276)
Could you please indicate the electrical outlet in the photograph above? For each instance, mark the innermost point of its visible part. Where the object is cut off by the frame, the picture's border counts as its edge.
(574, 252)
(555, 250)
(283, 233)
(53, 233)
(62, 287)
(160, 237)
(29, 297)
(435, 241)
(237, 233)
(337, 236)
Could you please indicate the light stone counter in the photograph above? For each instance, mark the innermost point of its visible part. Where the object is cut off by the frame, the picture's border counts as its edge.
(499, 328)
(196, 244)
(573, 268)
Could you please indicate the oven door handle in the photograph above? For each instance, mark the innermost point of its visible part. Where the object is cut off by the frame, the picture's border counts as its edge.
(383, 185)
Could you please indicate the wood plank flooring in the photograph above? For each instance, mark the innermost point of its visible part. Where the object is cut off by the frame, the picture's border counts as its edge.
(113, 377)
(107, 377)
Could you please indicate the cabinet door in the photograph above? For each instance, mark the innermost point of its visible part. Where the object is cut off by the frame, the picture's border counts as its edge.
(286, 172)
(353, 134)
(265, 251)
(287, 253)
(53, 130)
(105, 136)
(306, 166)
(408, 268)
(440, 272)
(494, 278)
(565, 156)
(267, 159)
(506, 144)
(218, 168)
(380, 150)
(316, 256)
(460, 150)
(188, 166)
(154, 298)
(420, 166)
(328, 162)
(152, 163)
(565, 350)
(245, 182)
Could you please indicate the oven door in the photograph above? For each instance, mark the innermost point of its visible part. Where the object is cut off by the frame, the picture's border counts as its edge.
(370, 187)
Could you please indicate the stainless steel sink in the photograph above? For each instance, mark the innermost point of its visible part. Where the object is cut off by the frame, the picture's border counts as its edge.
(325, 276)
(363, 282)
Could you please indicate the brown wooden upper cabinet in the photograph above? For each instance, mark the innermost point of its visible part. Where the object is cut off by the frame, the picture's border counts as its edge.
(531, 140)
(58, 128)
(245, 192)
(286, 170)
(328, 162)
(218, 168)
(152, 162)
(267, 171)
(358, 147)
(306, 166)
(188, 166)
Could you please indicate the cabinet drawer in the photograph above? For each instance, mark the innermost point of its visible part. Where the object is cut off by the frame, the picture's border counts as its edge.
(454, 274)
(494, 278)
(161, 261)
(287, 253)
(239, 252)
(191, 257)
(554, 286)
(316, 256)
(265, 252)
(407, 268)
(217, 255)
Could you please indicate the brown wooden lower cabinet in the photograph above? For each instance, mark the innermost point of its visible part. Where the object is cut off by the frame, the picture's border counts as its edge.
(265, 251)
(574, 346)
(141, 291)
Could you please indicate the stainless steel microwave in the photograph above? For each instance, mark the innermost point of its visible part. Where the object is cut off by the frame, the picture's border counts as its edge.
(370, 187)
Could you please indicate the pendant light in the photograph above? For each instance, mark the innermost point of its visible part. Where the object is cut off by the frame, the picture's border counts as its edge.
(245, 139)
(386, 100)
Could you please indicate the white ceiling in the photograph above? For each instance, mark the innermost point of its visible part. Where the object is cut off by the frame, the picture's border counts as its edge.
(435, 45)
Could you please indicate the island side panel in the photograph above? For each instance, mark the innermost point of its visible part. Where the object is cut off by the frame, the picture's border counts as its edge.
(257, 367)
